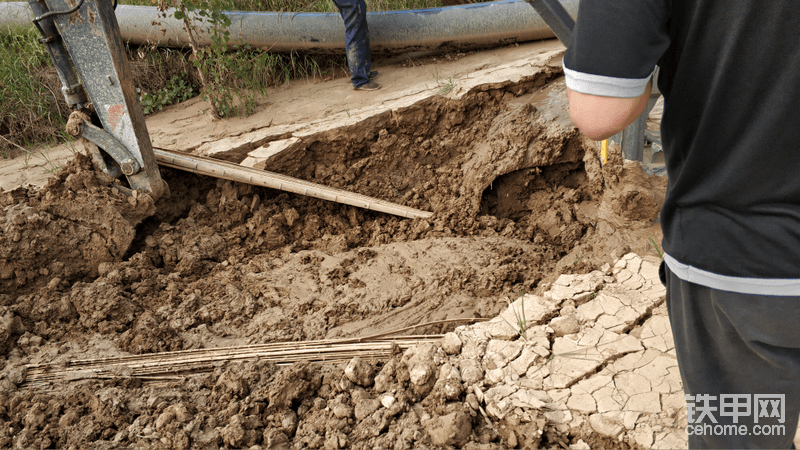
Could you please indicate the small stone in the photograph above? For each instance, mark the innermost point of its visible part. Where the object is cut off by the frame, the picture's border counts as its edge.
(153, 401)
(55, 282)
(342, 411)
(512, 439)
(471, 374)
(605, 425)
(360, 372)
(289, 422)
(275, 439)
(580, 445)
(182, 414)
(479, 394)
(365, 408)
(387, 400)
(495, 376)
(452, 430)
(499, 409)
(451, 344)
(472, 401)
(560, 415)
(17, 375)
(164, 419)
(565, 325)
(525, 398)
(629, 419)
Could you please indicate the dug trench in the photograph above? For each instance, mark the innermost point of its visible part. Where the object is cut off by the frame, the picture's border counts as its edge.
(518, 197)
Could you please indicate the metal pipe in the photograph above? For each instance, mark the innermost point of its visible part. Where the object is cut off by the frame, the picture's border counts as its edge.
(234, 172)
(452, 27)
(59, 13)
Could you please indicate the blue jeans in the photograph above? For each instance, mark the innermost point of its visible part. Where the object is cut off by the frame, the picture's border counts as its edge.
(356, 38)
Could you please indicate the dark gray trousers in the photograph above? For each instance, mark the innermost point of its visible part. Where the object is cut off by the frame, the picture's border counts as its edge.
(736, 344)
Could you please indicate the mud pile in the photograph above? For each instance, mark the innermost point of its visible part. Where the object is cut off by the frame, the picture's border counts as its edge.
(591, 366)
(75, 211)
(518, 198)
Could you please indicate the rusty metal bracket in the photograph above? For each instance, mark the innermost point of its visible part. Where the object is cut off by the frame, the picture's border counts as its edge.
(127, 163)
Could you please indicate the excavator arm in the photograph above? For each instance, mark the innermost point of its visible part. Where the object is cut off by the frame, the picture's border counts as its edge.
(83, 40)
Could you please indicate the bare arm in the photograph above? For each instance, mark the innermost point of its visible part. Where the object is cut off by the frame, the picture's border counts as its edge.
(602, 117)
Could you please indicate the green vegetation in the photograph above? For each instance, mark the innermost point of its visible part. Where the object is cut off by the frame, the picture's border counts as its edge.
(521, 324)
(659, 252)
(231, 80)
(30, 111)
(176, 91)
(445, 85)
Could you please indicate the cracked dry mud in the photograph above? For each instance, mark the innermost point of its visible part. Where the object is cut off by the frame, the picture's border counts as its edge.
(520, 203)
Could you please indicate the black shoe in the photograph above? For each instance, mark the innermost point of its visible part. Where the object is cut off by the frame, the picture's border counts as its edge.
(373, 74)
(368, 86)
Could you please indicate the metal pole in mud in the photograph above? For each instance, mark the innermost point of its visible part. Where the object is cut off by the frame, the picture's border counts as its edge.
(230, 171)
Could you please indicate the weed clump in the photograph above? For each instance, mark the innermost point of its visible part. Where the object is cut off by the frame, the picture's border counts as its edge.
(32, 108)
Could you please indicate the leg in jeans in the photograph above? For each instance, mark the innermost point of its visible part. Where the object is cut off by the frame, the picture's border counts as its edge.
(359, 58)
(729, 343)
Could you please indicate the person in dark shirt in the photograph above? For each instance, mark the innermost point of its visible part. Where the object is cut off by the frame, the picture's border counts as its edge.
(731, 218)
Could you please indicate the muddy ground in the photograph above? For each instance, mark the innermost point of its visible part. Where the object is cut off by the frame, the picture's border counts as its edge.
(518, 195)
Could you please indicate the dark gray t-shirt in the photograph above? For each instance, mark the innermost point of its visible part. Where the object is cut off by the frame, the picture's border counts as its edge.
(730, 76)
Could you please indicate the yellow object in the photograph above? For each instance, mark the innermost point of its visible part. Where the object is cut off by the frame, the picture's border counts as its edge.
(604, 151)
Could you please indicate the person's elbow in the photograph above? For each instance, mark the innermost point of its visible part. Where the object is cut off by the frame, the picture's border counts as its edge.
(599, 117)
(596, 127)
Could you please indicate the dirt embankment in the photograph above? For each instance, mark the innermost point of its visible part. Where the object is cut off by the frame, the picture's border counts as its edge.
(517, 199)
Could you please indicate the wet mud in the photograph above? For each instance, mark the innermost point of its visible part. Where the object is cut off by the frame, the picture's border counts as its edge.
(518, 198)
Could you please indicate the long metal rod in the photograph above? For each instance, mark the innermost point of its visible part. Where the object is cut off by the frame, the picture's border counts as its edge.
(58, 13)
(234, 172)
(556, 17)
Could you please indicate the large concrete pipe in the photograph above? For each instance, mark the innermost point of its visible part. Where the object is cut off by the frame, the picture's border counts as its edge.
(451, 27)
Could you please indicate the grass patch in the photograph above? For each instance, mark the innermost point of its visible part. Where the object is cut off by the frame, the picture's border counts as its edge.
(521, 323)
(33, 110)
(659, 252)
(313, 5)
(444, 85)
